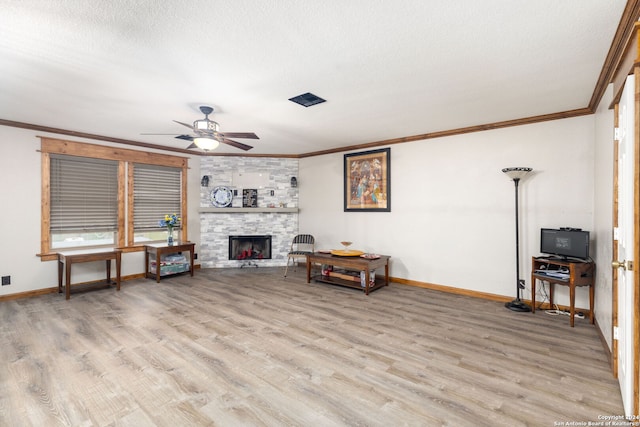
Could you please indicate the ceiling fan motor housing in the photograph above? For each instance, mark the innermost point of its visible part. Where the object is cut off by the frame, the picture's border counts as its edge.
(205, 125)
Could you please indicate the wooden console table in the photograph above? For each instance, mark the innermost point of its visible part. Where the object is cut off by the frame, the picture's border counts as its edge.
(352, 263)
(580, 273)
(68, 258)
(160, 250)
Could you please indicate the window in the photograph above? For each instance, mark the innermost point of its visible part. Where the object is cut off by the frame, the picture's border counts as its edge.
(156, 193)
(95, 195)
(84, 201)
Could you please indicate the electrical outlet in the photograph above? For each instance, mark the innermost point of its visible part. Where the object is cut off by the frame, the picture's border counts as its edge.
(195, 255)
(6, 280)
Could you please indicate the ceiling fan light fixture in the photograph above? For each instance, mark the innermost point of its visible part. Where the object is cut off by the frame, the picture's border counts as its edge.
(207, 135)
(207, 144)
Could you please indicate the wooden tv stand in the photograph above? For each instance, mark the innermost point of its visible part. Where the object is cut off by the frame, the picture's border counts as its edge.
(580, 273)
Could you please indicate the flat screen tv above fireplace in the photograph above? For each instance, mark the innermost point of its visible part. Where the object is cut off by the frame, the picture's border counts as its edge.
(244, 248)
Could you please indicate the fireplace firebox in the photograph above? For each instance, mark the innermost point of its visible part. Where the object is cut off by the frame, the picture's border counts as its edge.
(249, 248)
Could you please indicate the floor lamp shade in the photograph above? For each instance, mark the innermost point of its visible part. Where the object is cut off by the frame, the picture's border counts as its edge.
(516, 174)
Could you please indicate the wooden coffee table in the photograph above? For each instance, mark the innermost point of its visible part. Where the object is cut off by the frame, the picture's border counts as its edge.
(350, 263)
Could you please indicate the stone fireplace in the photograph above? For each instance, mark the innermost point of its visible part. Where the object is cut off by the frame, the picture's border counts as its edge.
(267, 219)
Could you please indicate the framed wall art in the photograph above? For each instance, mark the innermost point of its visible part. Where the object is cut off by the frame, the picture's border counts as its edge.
(367, 181)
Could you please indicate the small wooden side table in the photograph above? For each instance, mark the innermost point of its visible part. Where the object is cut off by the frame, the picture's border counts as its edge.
(68, 258)
(160, 250)
(580, 273)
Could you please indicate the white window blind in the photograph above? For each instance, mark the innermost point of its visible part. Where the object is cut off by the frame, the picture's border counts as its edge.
(156, 193)
(83, 194)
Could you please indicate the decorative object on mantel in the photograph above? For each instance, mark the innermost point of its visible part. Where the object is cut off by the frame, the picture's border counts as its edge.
(294, 182)
(205, 181)
(367, 181)
(221, 197)
(250, 198)
(170, 221)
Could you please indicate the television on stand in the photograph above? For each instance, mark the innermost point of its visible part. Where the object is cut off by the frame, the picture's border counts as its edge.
(565, 243)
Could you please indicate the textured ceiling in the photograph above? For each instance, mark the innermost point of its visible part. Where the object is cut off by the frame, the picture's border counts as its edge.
(388, 69)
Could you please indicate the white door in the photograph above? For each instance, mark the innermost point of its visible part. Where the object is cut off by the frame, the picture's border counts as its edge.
(624, 235)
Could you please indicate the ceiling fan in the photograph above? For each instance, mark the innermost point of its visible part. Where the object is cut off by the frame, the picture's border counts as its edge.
(207, 135)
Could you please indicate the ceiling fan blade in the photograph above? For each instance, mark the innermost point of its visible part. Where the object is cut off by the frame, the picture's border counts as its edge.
(236, 144)
(185, 137)
(193, 145)
(248, 135)
(158, 134)
(184, 124)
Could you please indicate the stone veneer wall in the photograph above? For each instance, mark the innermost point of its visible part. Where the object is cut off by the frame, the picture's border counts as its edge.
(215, 228)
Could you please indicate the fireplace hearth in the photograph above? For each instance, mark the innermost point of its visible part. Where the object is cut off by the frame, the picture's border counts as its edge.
(249, 248)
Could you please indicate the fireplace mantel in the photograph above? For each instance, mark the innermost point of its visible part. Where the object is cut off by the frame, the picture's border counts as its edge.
(247, 210)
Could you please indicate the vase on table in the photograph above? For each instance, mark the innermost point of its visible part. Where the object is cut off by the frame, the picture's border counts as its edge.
(170, 236)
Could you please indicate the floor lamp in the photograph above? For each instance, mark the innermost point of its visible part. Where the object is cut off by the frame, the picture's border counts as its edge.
(517, 305)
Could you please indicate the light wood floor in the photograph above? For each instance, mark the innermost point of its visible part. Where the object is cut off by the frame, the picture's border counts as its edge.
(245, 347)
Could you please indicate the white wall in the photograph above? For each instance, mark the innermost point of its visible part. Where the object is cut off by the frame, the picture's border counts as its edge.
(20, 216)
(452, 219)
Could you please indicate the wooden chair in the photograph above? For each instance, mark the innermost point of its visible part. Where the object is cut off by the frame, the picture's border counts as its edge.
(301, 245)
